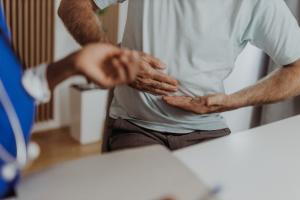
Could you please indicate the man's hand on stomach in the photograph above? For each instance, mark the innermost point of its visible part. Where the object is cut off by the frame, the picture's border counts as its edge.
(152, 80)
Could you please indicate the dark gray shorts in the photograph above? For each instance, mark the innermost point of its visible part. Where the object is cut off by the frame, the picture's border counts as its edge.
(124, 134)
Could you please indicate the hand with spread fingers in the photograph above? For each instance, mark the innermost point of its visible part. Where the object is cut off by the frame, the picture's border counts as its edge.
(202, 105)
(151, 79)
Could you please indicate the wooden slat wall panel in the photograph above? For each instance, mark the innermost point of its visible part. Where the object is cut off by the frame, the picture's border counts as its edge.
(32, 26)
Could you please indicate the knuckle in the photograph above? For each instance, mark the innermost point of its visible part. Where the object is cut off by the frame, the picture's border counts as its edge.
(156, 85)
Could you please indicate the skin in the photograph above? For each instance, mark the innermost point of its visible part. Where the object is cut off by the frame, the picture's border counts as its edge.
(79, 17)
(151, 80)
(82, 22)
(103, 64)
(282, 84)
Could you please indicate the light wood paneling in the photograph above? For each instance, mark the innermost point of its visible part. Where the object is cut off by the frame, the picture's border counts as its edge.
(32, 27)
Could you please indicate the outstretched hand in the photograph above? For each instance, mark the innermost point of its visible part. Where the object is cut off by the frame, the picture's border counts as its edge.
(201, 105)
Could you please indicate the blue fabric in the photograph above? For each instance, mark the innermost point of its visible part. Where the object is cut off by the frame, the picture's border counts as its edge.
(10, 74)
(3, 25)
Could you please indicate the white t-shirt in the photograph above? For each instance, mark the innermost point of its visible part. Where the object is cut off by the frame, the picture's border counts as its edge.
(199, 40)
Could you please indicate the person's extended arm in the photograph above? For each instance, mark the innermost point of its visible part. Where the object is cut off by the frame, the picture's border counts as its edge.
(282, 84)
(79, 16)
(80, 19)
(105, 65)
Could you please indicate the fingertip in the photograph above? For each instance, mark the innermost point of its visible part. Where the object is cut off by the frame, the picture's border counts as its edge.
(160, 65)
(175, 89)
(158, 62)
(176, 82)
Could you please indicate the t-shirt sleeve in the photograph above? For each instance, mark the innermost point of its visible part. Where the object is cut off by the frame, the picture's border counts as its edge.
(105, 3)
(274, 29)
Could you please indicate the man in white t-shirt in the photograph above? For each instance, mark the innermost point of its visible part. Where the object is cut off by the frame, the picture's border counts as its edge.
(177, 103)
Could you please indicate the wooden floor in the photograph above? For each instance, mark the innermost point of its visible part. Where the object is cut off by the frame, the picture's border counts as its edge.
(57, 146)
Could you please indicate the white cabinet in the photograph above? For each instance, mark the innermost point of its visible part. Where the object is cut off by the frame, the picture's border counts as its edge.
(88, 105)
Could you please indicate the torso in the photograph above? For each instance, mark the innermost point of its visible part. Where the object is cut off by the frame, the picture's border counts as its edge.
(199, 40)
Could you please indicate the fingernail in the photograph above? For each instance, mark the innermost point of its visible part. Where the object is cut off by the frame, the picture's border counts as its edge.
(175, 89)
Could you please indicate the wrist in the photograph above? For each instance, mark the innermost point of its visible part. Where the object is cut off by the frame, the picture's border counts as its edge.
(61, 70)
(235, 101)
(70, 65)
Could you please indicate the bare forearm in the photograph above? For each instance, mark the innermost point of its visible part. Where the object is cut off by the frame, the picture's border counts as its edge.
(280, 85)
(59, 71)
(79, 16)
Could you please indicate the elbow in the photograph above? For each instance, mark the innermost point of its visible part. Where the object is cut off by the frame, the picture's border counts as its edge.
(66, 8)
(61, 9)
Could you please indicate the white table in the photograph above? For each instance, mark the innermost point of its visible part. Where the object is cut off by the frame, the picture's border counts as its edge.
(135, 174)
(259, 164)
